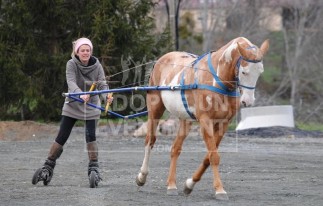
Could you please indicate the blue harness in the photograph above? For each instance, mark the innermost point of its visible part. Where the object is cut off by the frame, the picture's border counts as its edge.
(224, 90)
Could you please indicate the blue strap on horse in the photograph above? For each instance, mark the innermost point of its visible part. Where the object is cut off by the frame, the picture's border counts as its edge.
(224, 89)
(199, 58)
(183, 88)
(216, 77)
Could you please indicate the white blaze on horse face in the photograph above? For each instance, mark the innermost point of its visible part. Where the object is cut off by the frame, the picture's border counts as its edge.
(248, 77)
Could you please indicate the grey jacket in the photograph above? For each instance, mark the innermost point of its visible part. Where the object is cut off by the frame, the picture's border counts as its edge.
(79, 79)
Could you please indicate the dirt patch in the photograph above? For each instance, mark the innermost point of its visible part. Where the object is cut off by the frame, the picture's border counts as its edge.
(25, 130)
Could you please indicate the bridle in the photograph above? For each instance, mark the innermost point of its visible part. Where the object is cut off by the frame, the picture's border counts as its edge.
(238, 69)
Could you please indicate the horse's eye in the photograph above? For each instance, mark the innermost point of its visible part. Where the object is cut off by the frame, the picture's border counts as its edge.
(244, 73)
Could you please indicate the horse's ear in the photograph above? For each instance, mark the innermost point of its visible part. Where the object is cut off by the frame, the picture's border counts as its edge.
(243, 52)
(264, 47)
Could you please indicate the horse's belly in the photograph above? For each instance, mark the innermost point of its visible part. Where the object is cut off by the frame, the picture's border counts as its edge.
(173, 100)
(174, 104)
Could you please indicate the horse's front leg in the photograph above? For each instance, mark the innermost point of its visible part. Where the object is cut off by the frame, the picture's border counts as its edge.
(212, 135)
(212, 145)
(190, 183)
(214, 157)
(182, 133)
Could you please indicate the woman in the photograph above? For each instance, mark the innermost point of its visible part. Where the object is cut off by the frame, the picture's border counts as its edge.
(82, 72)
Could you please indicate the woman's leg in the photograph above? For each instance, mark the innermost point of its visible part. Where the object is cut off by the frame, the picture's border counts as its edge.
(92, 149)
(45, 173)
(90, 138)
(67, 124)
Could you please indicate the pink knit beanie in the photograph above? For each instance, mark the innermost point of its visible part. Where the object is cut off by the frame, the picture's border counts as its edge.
(80, 42)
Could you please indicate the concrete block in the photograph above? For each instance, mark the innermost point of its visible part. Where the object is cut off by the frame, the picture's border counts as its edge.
(267, 116)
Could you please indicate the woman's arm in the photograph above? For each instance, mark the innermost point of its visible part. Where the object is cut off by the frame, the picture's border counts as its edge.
(71, 77)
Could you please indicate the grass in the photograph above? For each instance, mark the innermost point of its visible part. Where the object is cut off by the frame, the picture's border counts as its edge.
(312, 126)
(232, 126)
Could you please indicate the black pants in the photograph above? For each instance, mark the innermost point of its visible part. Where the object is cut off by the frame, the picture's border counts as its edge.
(67, 124)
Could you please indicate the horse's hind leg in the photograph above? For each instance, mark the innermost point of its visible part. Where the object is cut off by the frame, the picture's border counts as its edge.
(183, 131)
(156, 109)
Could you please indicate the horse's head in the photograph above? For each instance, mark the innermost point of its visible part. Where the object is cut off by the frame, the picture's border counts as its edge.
(249, 68)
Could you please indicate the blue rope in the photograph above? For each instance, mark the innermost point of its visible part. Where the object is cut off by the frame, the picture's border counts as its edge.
(184, 97)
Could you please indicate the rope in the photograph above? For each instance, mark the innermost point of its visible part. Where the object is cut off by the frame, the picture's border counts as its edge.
(130, 69)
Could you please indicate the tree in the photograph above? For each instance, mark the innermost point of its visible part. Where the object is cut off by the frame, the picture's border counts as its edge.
(221, 21)
(302, 73)
(292, 67)
(132, 44)
(173, 9)
(189, 39)
(35, 43)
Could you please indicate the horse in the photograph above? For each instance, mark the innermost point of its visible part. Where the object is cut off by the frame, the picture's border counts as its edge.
(213, 87)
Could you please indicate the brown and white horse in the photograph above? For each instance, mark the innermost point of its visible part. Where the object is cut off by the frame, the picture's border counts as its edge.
(213, 87)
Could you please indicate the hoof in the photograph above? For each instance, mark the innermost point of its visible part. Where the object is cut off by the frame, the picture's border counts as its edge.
(188, 186)
(221, 196)
(187, 190)
(172, 192)
(139, 183)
